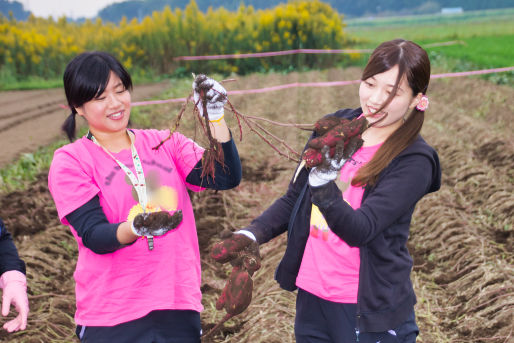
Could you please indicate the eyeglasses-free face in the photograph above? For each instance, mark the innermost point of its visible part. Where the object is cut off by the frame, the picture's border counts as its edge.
(108, 112)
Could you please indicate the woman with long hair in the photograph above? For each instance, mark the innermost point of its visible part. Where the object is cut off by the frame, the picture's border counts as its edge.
(347, 245)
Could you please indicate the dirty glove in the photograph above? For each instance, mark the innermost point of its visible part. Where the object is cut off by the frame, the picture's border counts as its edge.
(328, 169)
(238, 249)
(14, 284)
(155, 223)
(215, 96)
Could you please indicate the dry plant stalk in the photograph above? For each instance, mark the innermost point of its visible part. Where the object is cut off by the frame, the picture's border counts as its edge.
(177, 121)
(214, 152)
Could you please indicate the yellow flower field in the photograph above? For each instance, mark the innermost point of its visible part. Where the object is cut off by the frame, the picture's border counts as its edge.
(42, 47)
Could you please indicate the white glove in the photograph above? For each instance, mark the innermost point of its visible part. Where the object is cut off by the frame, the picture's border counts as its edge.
(216, 97)
(323, 174)
(247, 234)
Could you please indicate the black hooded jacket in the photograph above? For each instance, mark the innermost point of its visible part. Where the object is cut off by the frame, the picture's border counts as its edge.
(380, 228)
(9, 258)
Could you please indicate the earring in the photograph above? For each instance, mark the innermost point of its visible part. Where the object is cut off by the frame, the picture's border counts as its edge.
(422, 104)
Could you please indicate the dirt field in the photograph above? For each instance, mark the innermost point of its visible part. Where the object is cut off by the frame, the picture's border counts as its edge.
(30, 119)
(461, 237)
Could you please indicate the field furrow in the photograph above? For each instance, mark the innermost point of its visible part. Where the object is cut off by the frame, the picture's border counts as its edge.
(461, 237)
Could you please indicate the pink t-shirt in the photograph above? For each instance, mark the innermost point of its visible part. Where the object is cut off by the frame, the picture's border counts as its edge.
(330, 267)
(129, 283)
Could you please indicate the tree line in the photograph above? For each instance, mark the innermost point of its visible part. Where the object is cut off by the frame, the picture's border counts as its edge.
(350, 8)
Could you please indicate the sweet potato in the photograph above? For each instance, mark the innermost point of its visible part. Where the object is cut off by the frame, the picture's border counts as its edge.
(243, 254)
(237, 294)
(312, 157)
(342, 139)
(330, 138)
(323, 125)
(355, 127)
(235, 297)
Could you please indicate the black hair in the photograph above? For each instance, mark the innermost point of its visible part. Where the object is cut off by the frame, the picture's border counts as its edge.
(87, 76)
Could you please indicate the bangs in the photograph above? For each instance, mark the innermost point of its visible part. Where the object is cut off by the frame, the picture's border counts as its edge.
(94, 83)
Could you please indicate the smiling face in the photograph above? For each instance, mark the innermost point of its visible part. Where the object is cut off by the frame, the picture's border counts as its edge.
(108, 112)
(373, 93)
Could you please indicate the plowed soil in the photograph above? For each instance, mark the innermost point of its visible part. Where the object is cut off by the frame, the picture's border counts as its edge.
(461, 237)
(30, 119)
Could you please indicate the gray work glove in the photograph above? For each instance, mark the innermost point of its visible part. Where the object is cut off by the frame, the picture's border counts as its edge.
(155, 223)
(216, 96)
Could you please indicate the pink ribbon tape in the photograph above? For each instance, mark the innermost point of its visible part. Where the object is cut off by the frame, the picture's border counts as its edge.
(323, 84)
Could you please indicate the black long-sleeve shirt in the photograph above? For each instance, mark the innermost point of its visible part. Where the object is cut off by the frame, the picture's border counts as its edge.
(99, 235)
(9, 259)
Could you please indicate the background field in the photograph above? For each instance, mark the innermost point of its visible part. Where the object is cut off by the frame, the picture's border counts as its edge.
(148, 48)
(461, 237)
(483, 39)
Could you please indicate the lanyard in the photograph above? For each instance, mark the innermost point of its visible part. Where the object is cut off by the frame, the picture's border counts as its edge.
(138, 180)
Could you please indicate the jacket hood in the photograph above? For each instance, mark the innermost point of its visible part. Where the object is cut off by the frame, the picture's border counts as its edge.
(420, 147)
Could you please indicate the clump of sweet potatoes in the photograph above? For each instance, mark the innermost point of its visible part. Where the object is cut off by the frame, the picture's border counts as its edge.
(340, 136)
(243, 254)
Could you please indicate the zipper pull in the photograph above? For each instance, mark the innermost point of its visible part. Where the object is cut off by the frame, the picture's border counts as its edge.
(357, 329)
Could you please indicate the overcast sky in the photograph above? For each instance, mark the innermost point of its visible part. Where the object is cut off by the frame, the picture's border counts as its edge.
(70, 8)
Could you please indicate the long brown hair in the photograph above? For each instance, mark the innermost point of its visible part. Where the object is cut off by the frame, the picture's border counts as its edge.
(413, 63)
